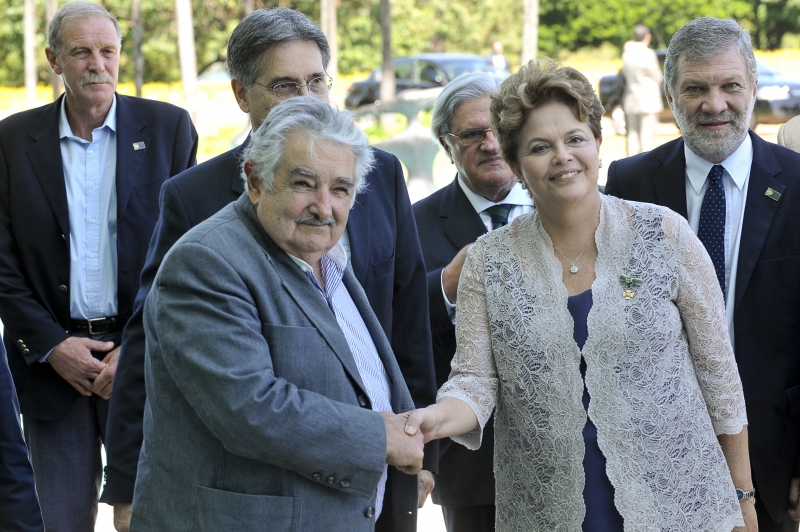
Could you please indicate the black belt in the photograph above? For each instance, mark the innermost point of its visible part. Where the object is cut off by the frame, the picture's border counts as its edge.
(99, 325)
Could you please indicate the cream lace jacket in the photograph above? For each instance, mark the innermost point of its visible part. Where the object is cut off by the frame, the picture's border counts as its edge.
(660, 372)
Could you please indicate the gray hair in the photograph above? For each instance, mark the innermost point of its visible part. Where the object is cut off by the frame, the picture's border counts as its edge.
(76, 10)
(262, 30)
(703, 39)
(320, 122)
(464, 88)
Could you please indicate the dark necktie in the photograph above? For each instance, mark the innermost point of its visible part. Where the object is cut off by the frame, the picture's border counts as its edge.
(711, 229)
(499, 214)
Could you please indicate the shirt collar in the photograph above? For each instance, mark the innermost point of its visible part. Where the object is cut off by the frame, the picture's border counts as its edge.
(336, 254)
(737, 165)
(64, 131)
(516, 196)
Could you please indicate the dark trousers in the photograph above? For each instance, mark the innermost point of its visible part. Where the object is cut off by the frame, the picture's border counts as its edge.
(66, 460)
(469, 518)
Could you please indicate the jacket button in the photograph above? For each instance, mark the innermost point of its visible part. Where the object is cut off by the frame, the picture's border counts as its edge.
(369, 512)
(20, 342)
(362, 400)
(62, 289)
(25, 351)
(330, 480)
(64, 237)
(345, 483)
(317, 477)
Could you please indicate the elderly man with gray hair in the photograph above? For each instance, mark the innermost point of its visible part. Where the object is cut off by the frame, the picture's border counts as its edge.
(741, 195)
(271, 387)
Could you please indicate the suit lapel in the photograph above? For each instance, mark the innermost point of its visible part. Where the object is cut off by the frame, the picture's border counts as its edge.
(462, 224)
(301, 290)
(359, 235)
(129, 160)
(759, 211)
(45, 159)
(669, 180)
(237, 183)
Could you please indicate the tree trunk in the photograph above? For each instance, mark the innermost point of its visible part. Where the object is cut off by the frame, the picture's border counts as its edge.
(327, 11)
(387, 92)
(530, 31)
(55, 81)
(188, 55)
(138, 57)
(248, 6)
(29, 23)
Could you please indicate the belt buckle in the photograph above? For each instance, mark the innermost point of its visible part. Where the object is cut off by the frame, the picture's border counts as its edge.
(92, 332)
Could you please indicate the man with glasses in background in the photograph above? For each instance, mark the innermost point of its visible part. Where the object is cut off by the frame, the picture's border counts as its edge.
(273, 55)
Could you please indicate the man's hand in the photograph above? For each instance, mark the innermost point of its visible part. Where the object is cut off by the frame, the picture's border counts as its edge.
(402, 451)
(452, 272)
(122, 516)
(73, 360)
(425, 484)
(104, 381)
(794, 499)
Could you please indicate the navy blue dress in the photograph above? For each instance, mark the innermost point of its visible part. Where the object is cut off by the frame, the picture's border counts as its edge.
(598, 493)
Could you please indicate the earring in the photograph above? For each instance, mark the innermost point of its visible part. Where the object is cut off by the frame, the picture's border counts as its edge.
(601, 163)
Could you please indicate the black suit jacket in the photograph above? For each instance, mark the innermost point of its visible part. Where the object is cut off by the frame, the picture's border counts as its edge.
(447, 222)
(386, 259)
(767, 306)
(34, 231)
(19, 507)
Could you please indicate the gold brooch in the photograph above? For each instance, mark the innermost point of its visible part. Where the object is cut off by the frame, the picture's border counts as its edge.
(630, 283)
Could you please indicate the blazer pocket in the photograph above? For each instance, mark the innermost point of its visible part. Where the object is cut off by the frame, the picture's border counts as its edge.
(383, 268)
(793, 401)
(216, 510)
(780, 251)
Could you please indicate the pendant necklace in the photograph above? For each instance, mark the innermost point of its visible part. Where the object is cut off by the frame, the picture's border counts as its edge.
(574, 268)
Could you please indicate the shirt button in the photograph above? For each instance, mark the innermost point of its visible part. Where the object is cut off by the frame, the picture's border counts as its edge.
(91, 220)
(330, 480)
(362, 400)
(369, 512)
(91, 255)
(91, 152)
(345, 483)
(317, 477)
(62, 289)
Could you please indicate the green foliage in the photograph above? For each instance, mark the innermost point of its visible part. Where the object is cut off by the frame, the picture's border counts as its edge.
(418, 26)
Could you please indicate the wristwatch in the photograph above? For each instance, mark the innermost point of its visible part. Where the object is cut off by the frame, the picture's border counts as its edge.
(746, 495)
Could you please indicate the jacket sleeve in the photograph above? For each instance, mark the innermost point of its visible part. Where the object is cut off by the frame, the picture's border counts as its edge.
(126, 409)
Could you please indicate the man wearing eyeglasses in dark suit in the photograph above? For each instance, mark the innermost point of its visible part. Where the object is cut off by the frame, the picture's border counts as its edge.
(274, 55)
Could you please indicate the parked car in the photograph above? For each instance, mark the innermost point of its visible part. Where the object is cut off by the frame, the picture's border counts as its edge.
(777, 99)
(420, 72)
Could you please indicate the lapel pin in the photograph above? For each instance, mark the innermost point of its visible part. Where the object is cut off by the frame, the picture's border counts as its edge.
(772, 194)
(140, 146)
(630, 284)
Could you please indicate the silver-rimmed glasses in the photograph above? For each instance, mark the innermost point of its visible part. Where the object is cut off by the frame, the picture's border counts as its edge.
(319, 86)
(471, 136)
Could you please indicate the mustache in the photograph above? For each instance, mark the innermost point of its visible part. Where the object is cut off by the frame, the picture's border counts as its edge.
(725, 116)
(101, 77)
(313, 219)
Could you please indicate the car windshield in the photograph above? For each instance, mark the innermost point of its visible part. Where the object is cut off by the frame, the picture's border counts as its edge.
(455, 67)
(765, 69)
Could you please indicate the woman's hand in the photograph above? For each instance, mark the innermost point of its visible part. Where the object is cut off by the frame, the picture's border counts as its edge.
(448, 417)
(750, 519)
(422, 420)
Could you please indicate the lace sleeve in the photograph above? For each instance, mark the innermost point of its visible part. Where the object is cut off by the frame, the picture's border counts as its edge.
(702, 311)
(473, 375)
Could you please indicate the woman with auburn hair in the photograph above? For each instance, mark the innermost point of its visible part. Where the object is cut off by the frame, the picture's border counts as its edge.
(596, 329)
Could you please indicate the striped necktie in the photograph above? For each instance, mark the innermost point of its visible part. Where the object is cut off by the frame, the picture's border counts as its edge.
(499, 214)
(711, 229)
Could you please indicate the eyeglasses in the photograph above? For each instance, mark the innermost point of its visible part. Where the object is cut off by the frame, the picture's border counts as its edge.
(471, 136)
(287, 89)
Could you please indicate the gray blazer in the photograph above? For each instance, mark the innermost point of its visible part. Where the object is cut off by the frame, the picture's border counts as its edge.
(256, 415)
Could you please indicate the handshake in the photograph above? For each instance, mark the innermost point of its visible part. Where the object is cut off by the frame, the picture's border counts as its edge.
(404, 443)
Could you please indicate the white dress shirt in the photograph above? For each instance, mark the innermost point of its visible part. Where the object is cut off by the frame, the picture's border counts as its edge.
(90, 177)
(735, 179)
(368, 361)
(517, 196)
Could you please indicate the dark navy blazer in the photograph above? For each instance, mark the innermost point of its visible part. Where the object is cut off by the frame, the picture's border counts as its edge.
(767, 308)
(19, 507)
(386, 259)
(34, 231)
